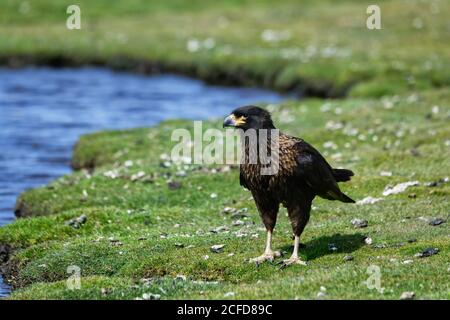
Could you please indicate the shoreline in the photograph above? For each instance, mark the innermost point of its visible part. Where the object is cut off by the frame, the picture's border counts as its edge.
(216, 75)
(8, 269)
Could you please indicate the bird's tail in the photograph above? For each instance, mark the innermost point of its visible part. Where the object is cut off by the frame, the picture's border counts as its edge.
(342, 175)
(337, 195)
(346, 199)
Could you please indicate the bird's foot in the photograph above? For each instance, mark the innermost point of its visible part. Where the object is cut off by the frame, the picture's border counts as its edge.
(266, 256)
(292, 261)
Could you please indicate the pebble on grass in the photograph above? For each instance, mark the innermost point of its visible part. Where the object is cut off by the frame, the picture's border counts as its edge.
(437, 182)
(229, 294)
(236, 223)
(428, 252)
(137, 176)
(220, 229)
(77, 222)
(104, 291)
(407, 295)
(228, 210)
(174, 185)
(401, 187)
(239, 215)
(368, 200)
(181, 277)
(151, 296)
(359, 223)
(348, 258)
(332, 247)
(217, 248)
(321, 294)
(436, 221)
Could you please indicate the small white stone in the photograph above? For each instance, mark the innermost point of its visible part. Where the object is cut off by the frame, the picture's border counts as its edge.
(229, 294)
(330, 145)
(407, 295)
(137, 176)
(151, 296)
(180, 277)
(435, 109)
(399, 187)
(368, 200)
(359, 223)
(128, 163)
(217, 248)
(193, 45)
(228, 210)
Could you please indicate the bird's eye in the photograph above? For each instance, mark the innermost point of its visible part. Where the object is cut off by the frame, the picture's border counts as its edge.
(240, 120)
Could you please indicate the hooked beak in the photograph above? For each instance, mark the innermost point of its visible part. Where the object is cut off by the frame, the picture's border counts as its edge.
(232, 121)
(229, 121)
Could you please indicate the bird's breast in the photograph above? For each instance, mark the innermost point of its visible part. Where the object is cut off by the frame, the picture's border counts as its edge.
(283, 163)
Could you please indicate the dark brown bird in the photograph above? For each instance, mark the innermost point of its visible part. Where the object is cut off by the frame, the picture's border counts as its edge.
(302, 174)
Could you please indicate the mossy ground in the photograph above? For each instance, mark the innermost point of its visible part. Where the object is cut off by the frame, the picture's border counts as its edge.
(138, 229)
(165, 232)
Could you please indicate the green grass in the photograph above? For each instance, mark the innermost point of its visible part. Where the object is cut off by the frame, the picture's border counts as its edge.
(393, 79)
(165, 233)
(320, 47)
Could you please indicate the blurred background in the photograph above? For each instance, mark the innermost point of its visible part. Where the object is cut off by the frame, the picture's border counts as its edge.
(313, 47)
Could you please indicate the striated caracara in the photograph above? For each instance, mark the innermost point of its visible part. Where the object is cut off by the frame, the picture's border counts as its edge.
(302, 174)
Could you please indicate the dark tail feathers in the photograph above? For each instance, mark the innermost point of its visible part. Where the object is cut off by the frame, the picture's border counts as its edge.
(342, 175)
(346, 199)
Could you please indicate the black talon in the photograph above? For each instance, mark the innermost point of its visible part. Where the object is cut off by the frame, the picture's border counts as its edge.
(283, 266)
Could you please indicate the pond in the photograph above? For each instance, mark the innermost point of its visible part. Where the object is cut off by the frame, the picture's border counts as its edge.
(43, 111)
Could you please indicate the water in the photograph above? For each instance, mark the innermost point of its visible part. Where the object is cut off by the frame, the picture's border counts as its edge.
(43, 111)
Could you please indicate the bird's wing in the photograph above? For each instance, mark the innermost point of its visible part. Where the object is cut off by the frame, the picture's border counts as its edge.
(242, 180)
(314, 170)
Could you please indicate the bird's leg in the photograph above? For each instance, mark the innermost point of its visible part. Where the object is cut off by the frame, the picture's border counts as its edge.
(299, 216)
(269, 254)
(294, 259)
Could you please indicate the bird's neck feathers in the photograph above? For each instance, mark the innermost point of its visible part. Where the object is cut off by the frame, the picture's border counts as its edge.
(268, 123)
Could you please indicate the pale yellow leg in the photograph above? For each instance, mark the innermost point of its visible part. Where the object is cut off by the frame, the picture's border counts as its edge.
(269, 254)
(294, 259)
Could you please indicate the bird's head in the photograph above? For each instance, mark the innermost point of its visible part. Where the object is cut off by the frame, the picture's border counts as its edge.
(249, 117)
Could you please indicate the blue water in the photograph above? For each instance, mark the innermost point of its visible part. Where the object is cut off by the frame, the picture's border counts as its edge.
(43, 111)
